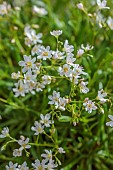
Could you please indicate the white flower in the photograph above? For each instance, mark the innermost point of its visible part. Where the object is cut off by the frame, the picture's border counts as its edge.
(17, 152)
(11, 166)
(35, 49)
(28, 77)
(20, 89)
(89, 105)
(44, 53)
(70, 59)
(80, 52)
(111, 122)
(83, 88)
(28, 42)
(32, 38)
(102, 4)
(31, 87)
(46, 120)
(39, 165)
(56, 33)
(58, 55)
(47, 155)
(46, 79)
(101, 95)
(54, 98)
(39, 10)
(39, 86)
(23, 166)
(110, 22)
(68, 48)
(80, 6)
(65, 70)
(23, 143)
(61, 150)
(77, 70)
(62, 103)
(4, 8)
(28, 63)
(38, 128)
(51, 165)
(36, 38)
(100, 19)
(87, 48)
(16, 75)
(5, 132)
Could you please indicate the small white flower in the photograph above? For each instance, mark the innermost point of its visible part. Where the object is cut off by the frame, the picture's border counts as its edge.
(80, 52)
(89, 105)
(51, 165)
(65, 70)
(23, 166)
(54, 98)
(62, 103)
(77, 70)
(111, 122)
(31, 87)
(83, 88)
(39, 86)
(58, 55)
(69, 59)
(28, 77)
(80, 6)
(101, 95)
(110, 22)
(46, 79)
(5, 132)
(102, 4)
(100, 19)
(28, 42)
(28, 63)
(11, 166)
(39, 165)
(20, 89)
(38, 128)
(61, 150)
(23, 143)
(56, 33)
(35, 49)
(39, 10)
(44, 53)
(16, 75)
(46, 120)
(68, 48)
(17, 152)
(87, 48)
(47, 155)
(4, 8)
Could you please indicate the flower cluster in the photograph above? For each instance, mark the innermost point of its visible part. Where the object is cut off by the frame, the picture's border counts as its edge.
(98, 15)
(58, 101)
(90, 105)
(32, 77)
(23, 146)
(31, 37)
(16, 166)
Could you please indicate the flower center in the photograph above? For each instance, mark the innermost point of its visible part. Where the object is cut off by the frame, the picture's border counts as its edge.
(45, 53)
(29, 64)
